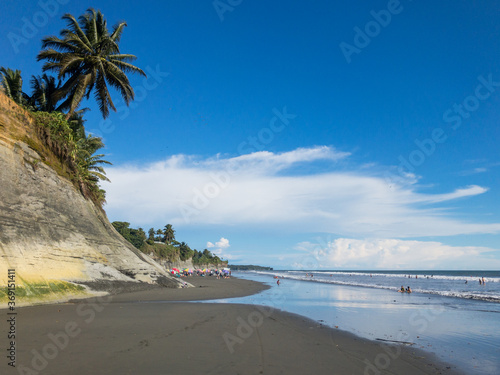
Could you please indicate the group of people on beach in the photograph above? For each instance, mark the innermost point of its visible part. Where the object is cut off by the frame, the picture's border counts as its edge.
(217, 273)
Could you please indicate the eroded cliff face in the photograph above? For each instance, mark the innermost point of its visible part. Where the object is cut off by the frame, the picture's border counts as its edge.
(49, 233)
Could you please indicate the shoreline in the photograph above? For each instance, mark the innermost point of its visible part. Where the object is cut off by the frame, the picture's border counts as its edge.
(130, 333)
(204, 288)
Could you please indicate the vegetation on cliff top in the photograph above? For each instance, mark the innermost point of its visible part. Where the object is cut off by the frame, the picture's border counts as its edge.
(86, 59)
(163, 245)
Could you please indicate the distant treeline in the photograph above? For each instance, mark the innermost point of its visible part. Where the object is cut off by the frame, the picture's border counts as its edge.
(162, 243)
(250, 268)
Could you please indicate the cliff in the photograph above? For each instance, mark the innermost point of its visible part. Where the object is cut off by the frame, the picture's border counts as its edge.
(49, 233)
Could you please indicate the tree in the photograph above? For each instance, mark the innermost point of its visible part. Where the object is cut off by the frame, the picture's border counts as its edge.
(89, 167)
(43, 91)
(12, 84)
(87, 54)
(122, 227)
(159, 233)
(137, 237)
(169, 234)
(185, 251)
(151, 236)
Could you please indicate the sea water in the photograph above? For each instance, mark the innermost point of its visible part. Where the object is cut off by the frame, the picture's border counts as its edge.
(457, 321)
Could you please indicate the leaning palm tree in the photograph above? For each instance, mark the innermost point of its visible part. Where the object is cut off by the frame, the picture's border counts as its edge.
(87, 55)
(12, 84)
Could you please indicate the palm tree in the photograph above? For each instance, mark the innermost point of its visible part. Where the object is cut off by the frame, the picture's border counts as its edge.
(89, 57)
(151, 236)
(169, 233)
(44, 89)
(95, 171)
(12, 84)
(89, 167)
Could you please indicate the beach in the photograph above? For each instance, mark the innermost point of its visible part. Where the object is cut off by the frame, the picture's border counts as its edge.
(157, 332)
(455, 321)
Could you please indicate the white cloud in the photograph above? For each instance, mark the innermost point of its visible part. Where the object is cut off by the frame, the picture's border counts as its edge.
(275, 191)
(219, 248)
(347, 253)
(223, 243)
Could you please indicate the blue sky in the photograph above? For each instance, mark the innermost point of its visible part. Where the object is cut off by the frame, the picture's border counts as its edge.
(258, 136)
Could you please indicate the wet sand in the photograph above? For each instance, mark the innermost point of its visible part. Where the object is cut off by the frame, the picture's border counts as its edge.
(140, 333)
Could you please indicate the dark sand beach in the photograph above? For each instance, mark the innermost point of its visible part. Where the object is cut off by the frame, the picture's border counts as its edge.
(141, 333)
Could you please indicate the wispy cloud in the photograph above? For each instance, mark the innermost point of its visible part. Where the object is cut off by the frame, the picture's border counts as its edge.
(458, 193)
(279, 191)
(470, 172)
(485, 166)
(267, 163)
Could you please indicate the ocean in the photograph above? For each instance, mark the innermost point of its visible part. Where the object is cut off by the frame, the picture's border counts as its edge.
(448, 313)
(460, 284)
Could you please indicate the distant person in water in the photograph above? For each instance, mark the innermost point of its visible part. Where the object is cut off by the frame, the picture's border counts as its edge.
(480, 282)
(402, 290)
(408, 290)
(278, 282)
(483, 280)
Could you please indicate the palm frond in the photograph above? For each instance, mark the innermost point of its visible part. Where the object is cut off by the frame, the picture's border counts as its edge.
(117, 31)
(75, 27)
